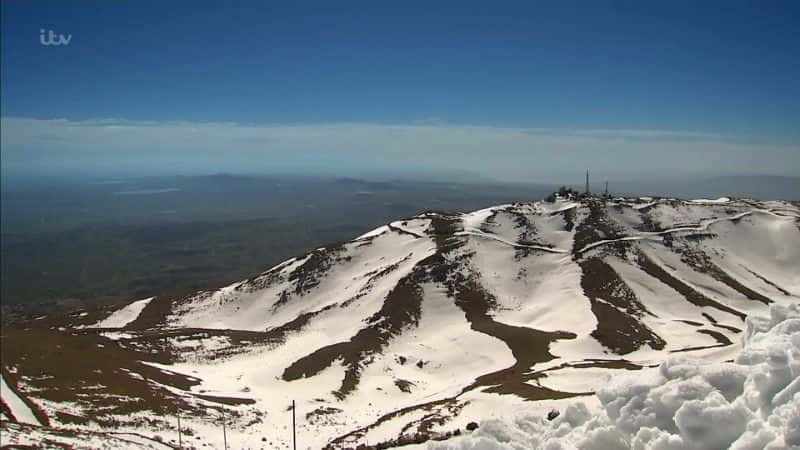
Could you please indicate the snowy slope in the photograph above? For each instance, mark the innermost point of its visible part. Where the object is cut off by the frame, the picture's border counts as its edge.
(124, 316)
(16, 407)
(752, 402)
(411, 331)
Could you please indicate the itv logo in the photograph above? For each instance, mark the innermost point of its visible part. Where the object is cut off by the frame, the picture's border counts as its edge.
(50, 38)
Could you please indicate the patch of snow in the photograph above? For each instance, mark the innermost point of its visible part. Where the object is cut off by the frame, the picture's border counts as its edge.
(18, 408)
(116, 335)
(711, 201)
(644, 205)
(373, 233)
(123, 316)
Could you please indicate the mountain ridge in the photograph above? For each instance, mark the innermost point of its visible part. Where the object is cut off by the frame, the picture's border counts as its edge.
(405, 332)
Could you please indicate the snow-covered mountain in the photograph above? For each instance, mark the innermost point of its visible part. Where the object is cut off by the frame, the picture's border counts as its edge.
(413, 330)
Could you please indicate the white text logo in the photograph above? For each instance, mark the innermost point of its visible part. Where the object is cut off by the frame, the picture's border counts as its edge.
(50, 38)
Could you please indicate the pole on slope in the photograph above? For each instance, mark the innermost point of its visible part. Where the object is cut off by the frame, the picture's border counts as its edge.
(180, 438)
(294, 430)
(224, 433)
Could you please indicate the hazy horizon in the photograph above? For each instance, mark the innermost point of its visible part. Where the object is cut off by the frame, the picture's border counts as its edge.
(518, 93)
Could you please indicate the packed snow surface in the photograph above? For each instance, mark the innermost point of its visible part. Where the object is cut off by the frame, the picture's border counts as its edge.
(685, 403)
(18, 408)
(124, 316)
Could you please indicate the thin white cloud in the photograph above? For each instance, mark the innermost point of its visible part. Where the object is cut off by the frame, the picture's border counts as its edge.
(499, 152)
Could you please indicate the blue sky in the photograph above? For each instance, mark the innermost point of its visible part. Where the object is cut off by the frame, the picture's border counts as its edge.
(652, 75)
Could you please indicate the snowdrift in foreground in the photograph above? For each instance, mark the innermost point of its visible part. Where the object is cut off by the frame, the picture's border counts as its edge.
(751, 403)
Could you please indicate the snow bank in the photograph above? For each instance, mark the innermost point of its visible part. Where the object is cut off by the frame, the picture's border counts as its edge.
(123, 316)
(751, 403)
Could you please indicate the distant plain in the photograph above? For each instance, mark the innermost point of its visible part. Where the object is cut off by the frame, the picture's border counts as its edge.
(72, 241)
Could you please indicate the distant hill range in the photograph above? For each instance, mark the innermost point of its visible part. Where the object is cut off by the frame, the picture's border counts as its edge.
(753, 186)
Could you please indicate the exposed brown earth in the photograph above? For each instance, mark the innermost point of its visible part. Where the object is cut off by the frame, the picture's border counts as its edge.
(307, 276)
(442, 228)
(97, 373)
(372, 278)
(528, 346)
(232, 401)
(616, 308)
(403, 385)
(400, 309)
(569, 219)
(690, 322)
(617, 364)
(597, 227)
(780, 289)
(263, 280)
(727, 327)
(323, 414)
(648, 224)
(12, 382)
(702, 347)
(297, 324)
(106, 378)
(153, 315)
(701, 262)
(528, 235)
(402, 231)
(58, 438)
(694, 297)
(359, 433)
(719, 337)
(489, 222)
(527, 229)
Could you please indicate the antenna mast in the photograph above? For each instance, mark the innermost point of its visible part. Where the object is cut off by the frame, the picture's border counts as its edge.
(587, 181)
